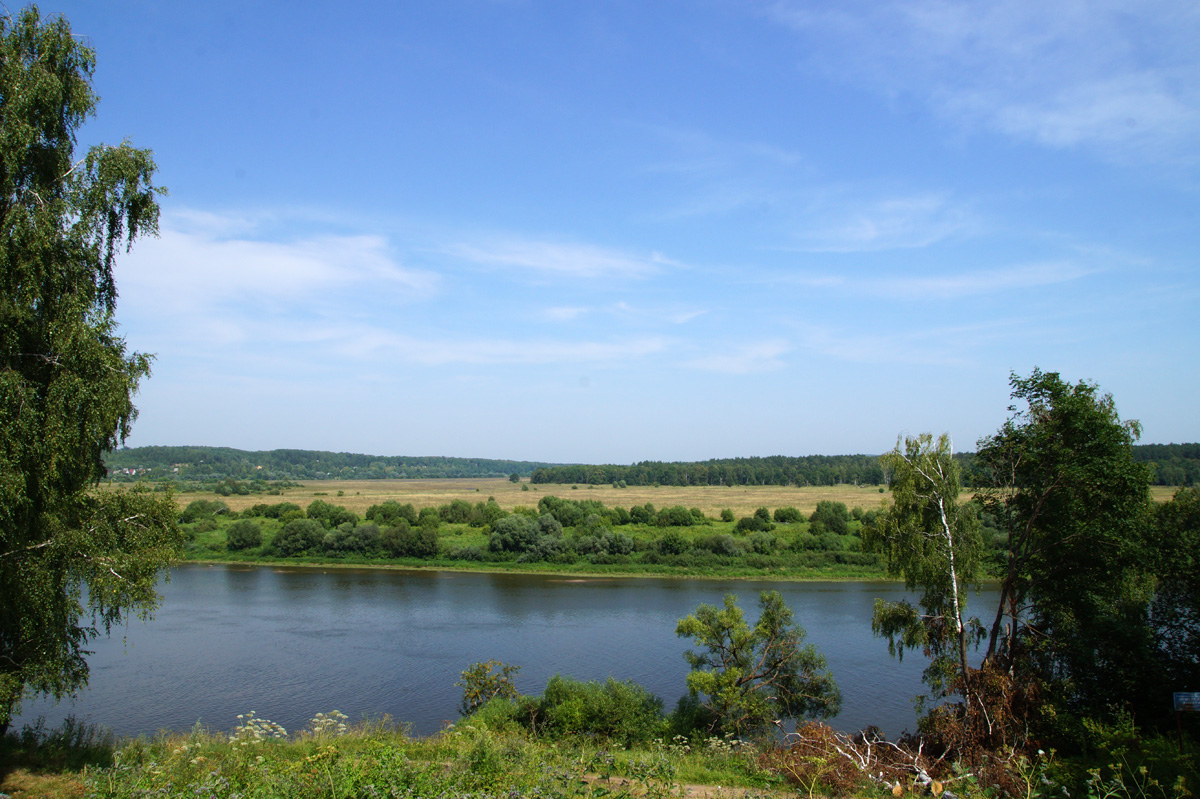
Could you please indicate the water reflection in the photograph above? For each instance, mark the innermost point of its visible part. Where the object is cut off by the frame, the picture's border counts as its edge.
(288, 643)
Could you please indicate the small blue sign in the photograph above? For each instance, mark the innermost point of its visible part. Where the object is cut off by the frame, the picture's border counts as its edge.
(1187, 701)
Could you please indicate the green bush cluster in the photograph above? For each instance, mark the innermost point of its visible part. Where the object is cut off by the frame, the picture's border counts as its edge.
(558, 531)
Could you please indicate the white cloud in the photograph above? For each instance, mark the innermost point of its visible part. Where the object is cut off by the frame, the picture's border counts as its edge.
(193, 267)
(565, 259)
(383, 346)
(958, 285)
(836, 223)
(984, 281)
(564, 314)
(761, 356)
(1122, 78)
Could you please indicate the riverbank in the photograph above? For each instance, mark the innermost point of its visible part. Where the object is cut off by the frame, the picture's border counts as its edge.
(376, 759)
(576, 570)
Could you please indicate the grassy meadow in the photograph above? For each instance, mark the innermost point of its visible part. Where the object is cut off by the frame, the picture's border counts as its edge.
(358, 495)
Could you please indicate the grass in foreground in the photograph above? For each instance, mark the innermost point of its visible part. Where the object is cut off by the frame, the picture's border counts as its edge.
(378, 759)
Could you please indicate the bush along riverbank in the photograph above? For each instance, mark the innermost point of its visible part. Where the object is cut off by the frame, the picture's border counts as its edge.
(558, 535)
(493, 753)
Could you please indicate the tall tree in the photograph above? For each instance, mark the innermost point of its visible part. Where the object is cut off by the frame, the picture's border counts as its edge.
(934, 541)
(1062, 481)
(73, 560)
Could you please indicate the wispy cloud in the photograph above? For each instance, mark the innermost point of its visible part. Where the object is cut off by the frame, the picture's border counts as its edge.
(720, 176)
(1121, 78)
(839, 223)
(381, 345)
(564, 314)
(762, 356)
(204, 260)
(562, 259)
(974, 283)
(958, 285)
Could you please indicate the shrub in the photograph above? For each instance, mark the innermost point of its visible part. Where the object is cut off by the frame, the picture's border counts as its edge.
(486, 513)
(405, 541)
(726, 515)
(672, 542)
(722, 544)
(390, 512)
(483, 682)
(762, 543)
(675, 516)
(830, 516)
(642, 514)
(514, 533)
(350, 540)
(202, 509)
(457, 512)
(617, 711)
(788, 515)
(754, 524)
(297, 537)
(329, 515)
(243, 534)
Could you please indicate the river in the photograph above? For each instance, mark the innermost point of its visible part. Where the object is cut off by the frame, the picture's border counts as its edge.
(289, 643)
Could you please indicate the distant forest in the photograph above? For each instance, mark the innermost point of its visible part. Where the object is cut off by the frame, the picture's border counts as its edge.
(1173, 464)
(204, 464)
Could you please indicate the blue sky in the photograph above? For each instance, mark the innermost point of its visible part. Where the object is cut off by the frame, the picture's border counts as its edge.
(616, 231)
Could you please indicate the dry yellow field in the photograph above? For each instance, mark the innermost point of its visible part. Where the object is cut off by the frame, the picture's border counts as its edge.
(358, 495)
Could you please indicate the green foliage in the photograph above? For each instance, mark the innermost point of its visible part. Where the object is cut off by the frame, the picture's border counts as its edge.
(484, 514)
(1063, 484)
(243, 534)
(933, 540)
(515, 533)
(675, 516)
(390, 512)
(403, 541)
(618, 711)
(297, 537)
(776, 470)
(279, 510)
(748, 677)
(672, 542)
(66, 380)
(329, 515)
(73, 745)
(755, 524)
(726, 515)
(203, 509)
(1175, 609)
(457, 511)
(483, 682)
(829, 517)
(787, 515)
(348, 539)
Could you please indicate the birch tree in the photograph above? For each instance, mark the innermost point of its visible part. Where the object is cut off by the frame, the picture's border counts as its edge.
(933, 540)
(73, 561)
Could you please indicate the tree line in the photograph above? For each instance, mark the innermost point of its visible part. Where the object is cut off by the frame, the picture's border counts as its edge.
(206, 464)
(1171, 465)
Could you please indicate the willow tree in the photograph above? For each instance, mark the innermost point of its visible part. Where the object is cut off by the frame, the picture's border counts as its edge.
(73, 560)
(933, 540)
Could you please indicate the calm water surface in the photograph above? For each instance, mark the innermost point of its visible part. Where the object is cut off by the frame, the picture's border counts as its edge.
(289, 643)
